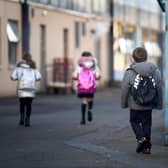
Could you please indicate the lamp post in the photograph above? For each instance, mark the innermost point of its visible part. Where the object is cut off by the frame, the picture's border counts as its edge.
(165, 77)
(110, 41)
(164, 6)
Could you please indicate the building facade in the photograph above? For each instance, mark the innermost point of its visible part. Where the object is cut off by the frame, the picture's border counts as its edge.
(10, 43)
(136, 24)
(52, 29)
(56, 29)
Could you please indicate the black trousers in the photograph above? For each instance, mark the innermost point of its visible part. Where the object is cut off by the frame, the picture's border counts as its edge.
(26, 106)
(141, 122)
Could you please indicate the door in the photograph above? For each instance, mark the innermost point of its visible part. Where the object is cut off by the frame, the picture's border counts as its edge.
(43, 56)
(65, 41)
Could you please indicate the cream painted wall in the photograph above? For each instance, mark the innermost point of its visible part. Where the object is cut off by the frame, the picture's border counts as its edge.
(55, 21)
(8, 10)
(104, 58)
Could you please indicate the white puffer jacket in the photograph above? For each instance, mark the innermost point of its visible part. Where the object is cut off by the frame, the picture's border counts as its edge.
(17, 75)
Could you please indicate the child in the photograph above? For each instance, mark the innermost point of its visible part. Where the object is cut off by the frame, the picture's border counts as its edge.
(140, 113)
(86, 74)
(26, 74)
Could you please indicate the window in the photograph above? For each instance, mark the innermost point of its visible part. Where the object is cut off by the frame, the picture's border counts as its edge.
(50, 2)
(83, 29)
(44, 1)
(92, 6)
(13, 40)
(77, 34)
(103, 7)
(63, 4)
(65, 42)
(81, 6)
(55, 2)
(95, 6)
(70, 4)
(88, 5)
(42, 55)
(75, 5)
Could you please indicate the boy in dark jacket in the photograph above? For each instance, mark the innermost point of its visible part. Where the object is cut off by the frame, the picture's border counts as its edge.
(141, 115)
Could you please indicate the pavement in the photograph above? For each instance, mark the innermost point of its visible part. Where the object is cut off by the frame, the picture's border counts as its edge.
(57, 140)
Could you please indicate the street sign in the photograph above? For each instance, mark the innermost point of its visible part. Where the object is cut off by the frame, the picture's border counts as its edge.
(162, 4)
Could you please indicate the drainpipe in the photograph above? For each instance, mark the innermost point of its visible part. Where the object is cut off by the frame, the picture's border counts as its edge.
(25, 26)
(111, 53)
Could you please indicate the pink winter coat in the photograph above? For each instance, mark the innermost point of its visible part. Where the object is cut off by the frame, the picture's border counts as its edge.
(87, 62)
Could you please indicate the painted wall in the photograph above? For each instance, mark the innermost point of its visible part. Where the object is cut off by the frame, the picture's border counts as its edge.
(8, 10)
(55, 21)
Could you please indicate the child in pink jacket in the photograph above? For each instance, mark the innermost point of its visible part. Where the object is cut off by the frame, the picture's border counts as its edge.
(87, 68)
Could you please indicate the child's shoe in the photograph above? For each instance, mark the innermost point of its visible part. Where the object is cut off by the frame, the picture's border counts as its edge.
(140, 145)
(147, 151)
(147, 147)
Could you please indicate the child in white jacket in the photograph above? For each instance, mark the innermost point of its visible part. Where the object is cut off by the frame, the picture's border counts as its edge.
(26, 74)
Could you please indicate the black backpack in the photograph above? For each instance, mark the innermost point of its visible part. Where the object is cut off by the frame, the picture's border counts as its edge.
(144, 90)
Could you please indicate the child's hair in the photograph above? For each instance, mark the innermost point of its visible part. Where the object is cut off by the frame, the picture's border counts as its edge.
(139, 54)
(86, 54)
(28, 58)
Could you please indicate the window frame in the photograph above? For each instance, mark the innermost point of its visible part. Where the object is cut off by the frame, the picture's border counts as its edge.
(66, 42)
(77, 34)
(13, 45)
(83, 28)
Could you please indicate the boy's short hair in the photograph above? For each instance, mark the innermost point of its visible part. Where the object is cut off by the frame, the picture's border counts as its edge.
(139, 54)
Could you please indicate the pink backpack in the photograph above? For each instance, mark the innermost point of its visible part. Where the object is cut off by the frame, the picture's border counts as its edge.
(86, 81)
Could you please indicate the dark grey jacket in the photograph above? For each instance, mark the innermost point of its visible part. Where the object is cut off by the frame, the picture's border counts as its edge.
(144, 68)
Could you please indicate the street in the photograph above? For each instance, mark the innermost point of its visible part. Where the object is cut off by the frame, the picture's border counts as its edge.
(57, 140)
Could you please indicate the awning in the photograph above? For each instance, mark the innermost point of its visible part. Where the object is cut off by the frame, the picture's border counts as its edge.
(153, 49)
(126, 45)
(12, 32)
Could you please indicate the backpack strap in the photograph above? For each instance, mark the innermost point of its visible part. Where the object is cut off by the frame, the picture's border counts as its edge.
(132, 69)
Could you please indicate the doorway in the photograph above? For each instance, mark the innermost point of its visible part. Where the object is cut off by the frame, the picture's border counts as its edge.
(65, 42)
(43, 56)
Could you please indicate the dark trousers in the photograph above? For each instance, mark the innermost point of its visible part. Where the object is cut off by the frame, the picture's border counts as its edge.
(25, 106)
(141, 122)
